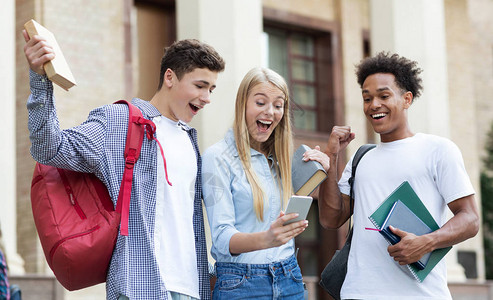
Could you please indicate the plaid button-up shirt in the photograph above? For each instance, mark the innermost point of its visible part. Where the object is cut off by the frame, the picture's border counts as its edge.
(97, 146)
(4, 282)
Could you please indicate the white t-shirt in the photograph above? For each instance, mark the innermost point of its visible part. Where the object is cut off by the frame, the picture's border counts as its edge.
(435, 169)
(174, 238)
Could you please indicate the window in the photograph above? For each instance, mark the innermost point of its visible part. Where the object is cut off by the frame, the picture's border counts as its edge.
(292, 55)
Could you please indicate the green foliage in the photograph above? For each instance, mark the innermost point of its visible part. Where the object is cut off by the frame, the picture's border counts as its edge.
(487, 205)
(487, 208)
(488, 160)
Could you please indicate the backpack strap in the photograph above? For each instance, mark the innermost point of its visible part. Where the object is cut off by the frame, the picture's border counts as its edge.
(133, 145)
(137, 125)
(356, 159)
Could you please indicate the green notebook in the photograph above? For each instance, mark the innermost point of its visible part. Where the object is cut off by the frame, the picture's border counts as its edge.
(406, 194)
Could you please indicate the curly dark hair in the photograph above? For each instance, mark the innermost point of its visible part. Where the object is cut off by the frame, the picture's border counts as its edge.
(406, 71)
(187, 55)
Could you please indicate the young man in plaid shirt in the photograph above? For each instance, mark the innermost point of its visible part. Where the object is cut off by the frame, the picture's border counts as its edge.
(164, 256)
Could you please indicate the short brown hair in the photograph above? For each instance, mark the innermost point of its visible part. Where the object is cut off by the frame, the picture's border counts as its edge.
(187, 55)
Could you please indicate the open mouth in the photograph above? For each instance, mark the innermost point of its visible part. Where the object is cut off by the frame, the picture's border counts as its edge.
(263, 126)
(378, 116)
(194, 108)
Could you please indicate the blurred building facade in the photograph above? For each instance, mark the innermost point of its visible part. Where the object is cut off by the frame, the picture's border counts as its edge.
(114, 50)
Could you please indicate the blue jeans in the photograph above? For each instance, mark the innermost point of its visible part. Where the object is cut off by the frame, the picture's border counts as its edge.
(278, 280)
(171, 296)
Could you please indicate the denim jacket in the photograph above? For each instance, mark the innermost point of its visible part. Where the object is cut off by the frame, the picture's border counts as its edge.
(229, 201)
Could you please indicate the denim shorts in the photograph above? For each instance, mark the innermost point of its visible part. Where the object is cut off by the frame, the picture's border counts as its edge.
(278, 280)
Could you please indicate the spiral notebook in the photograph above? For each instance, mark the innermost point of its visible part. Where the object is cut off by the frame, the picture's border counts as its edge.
(400, 216)
(407, 196)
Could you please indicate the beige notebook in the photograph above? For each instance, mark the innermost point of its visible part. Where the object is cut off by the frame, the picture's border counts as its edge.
(57, 69)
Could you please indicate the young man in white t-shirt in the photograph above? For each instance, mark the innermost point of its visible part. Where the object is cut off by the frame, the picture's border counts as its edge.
(432, 165)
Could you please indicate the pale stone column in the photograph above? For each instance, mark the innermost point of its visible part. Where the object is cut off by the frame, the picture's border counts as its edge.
(416, 29)
(465, 111)
(234, 29)
(8, 219)
(352, 52)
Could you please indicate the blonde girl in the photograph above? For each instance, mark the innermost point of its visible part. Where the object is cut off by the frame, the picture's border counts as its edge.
(246, 184)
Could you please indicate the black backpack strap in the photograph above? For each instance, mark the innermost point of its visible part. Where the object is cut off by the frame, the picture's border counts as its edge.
(356, 159)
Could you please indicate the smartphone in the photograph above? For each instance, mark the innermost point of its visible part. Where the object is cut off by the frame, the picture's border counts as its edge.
(300, 205)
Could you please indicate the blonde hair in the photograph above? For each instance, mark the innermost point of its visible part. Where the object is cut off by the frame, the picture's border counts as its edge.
(279, 143)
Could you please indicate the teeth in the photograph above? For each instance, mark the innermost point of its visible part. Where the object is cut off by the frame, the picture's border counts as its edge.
(380, 115)
(265, 122)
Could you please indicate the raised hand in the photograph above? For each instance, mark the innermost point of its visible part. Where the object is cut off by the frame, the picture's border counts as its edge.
(339, 138)
(38, 52)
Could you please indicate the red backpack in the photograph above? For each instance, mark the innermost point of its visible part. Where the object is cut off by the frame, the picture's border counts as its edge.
(74, 214)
